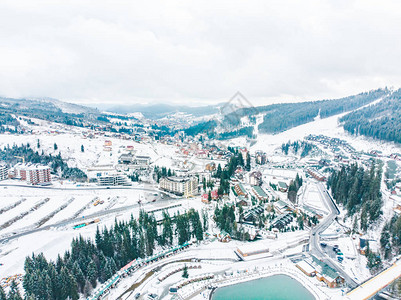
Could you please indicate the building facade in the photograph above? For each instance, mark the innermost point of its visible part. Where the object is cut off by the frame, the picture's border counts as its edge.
(37, 174)
(181, 186)
(113, 180)
(3, 171)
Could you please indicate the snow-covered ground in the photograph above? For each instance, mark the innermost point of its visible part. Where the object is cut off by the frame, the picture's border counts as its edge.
(57, 239)
(79, 202)
(311, 197)
(328, 126)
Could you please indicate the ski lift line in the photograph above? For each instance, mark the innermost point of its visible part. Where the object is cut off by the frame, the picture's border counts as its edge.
(133, 264)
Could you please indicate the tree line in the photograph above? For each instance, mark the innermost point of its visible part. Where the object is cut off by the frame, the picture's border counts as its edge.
(359, 191)
(225, 221)
(304, 148)
(390, 239)
(293, 188)
(56, 163)
(380, 121)
(225, 174)
(90, 262)
(160, 172)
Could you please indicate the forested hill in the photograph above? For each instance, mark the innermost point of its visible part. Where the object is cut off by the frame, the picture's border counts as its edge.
(281, 117)
(286, 116)
(381, 120)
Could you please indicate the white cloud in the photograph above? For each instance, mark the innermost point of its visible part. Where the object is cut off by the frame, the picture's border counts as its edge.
(197, 51)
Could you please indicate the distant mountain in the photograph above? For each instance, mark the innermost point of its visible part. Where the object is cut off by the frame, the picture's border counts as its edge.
(70, 108)
(48, 104)
(281, 117)
(47, 109)
(381, 120)
(157, 111)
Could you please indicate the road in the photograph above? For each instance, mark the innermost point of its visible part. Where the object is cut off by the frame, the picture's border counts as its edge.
(315, 248)
(78, 219)
(83, 188)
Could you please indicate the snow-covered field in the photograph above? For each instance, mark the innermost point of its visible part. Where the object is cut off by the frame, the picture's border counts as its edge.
(69, 145)
(56, 239)
(311, 197)
(328, 126)
(79, 202)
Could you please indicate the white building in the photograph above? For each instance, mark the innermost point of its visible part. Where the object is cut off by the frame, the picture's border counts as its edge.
(113, 180)
(182, 186)
(255, 178)
(142, 160)
(204, 176)
(3, 171)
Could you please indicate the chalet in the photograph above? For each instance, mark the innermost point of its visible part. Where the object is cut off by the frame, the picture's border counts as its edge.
(253, 214)
(281, 207)
(259, 193)
(204, 176)
(240, 190)
(327, 274)
(255, 178)
(142, 160)
(282, 186)
(317, 175)
(281, 221)
(244, 153)
(214, 194)
(311, 212)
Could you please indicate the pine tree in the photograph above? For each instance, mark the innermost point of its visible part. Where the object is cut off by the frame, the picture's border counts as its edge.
(82, 148)
(55, 147)
(2, 294)
(185, 272)
(13, 293)
(92, 273)
(248, 162)
(79, 276)
(87, 288)
(219, 171)
(205, 221)
(167, 233)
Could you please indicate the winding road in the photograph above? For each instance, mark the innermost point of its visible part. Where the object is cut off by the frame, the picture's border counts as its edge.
(315, 248)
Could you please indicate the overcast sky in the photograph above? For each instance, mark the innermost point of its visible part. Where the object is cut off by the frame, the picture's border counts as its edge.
(197, 52)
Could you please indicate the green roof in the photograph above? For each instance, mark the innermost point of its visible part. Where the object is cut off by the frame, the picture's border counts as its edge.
(282, 184)
(326, 269)
(282, 203)
(259, 191)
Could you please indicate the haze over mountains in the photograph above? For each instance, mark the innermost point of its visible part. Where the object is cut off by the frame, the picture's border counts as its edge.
(236, 117)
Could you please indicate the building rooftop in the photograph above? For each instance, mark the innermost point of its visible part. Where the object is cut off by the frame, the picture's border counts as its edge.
(259, 191)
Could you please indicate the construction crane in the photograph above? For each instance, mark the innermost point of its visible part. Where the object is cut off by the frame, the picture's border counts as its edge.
(21, 157)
